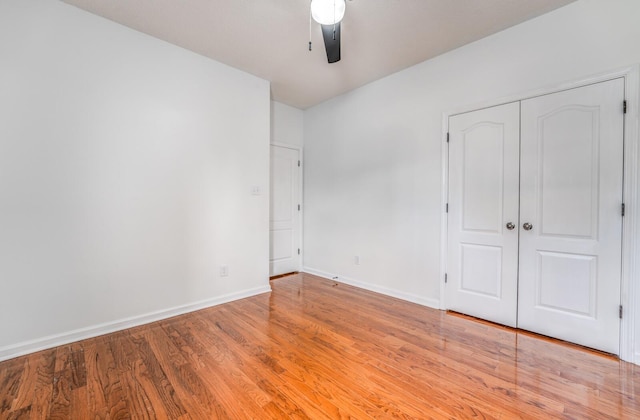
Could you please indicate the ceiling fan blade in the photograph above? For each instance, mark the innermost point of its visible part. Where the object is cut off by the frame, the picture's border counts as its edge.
(331, 42)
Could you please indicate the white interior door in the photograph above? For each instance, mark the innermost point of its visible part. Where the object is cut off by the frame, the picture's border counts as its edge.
(483, 213)
(284, 223)
(571, 197)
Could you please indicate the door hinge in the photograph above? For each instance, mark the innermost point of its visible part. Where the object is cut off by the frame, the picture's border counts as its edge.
(620, 311)
(445, 277)
(446, 208)
(447, 137)
(624, 107)
(623, 209)
(298, 164)
(298, 207)
(298, 251)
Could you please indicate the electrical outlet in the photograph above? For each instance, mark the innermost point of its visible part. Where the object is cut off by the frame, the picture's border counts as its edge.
(356, 260)
(224, 270)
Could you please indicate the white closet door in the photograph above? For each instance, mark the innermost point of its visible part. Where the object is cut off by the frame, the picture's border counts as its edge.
(284, 221)
(483, 200)
(570, 215)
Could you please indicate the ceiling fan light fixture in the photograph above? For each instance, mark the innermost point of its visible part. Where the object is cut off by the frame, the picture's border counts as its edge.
(327, 12)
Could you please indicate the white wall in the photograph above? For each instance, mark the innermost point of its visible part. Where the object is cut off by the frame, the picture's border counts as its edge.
(126, 167)
(286, 125)
(373, 174)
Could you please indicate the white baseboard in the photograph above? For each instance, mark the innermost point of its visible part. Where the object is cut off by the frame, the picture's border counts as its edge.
(410, 297)
(26, 347)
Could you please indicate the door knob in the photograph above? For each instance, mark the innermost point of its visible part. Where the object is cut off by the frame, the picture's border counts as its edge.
(510, 226)
(527, 226)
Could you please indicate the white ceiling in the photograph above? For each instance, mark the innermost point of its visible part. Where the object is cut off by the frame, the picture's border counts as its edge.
(269, 38)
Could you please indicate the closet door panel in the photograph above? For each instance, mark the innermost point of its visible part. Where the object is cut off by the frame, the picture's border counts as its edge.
(570, 212)
(483, 199)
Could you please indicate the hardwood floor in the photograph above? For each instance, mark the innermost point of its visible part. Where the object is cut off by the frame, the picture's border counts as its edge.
(317, 349)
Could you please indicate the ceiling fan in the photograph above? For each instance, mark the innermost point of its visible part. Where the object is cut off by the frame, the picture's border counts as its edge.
(329, 13)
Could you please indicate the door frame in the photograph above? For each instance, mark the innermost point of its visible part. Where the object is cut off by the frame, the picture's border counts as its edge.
(629, 287)
(300, 226)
